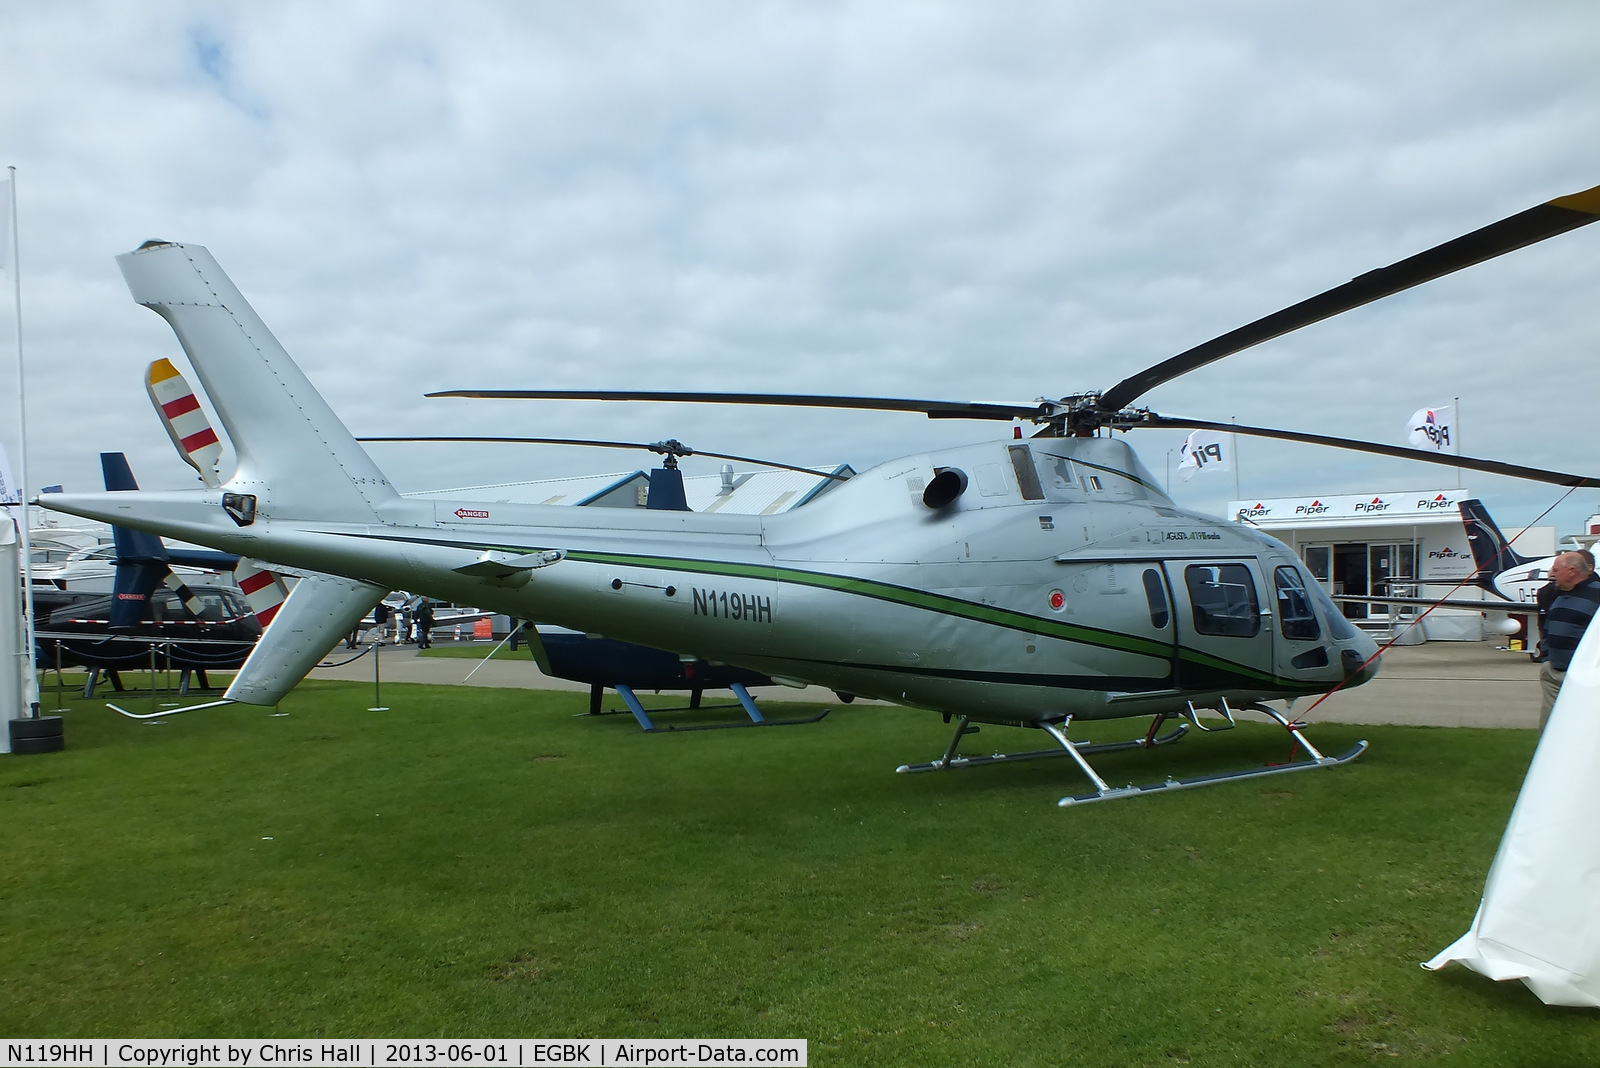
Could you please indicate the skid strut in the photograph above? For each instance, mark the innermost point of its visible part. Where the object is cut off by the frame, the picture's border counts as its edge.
(1074, 749)
(746, 702)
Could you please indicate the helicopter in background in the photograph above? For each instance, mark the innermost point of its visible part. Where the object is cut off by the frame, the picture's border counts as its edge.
(1036, 583)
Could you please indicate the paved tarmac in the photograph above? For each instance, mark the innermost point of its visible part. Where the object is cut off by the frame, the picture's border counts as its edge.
(1439, 684)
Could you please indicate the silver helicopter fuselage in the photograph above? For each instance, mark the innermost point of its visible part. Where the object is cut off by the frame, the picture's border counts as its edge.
(1056, 580)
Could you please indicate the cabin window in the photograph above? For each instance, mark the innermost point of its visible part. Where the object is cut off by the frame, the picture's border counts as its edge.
(1156, 594)
(1224, 600)
(1296, 618)
(1027, 474)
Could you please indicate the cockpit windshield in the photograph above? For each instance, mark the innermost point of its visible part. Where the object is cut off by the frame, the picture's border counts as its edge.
(1340, 627)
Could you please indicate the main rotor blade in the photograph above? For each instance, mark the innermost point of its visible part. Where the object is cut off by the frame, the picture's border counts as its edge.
(933, 409)
(664, 448)
(1525, 228)
(1493, 467)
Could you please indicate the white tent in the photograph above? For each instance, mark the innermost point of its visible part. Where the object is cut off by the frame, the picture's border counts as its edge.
(1539, 920)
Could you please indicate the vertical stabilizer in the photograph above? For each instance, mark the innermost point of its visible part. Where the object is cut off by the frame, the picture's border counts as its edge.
(1491, 552)
(142, 559)
(294, 454)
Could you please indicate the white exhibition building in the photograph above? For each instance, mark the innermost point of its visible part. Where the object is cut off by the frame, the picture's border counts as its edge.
(1391, 544)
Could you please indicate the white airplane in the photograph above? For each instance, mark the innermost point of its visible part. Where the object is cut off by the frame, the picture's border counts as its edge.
(1501, 570)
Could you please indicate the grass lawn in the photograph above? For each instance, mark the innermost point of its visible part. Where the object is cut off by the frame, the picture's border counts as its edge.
(488, 863)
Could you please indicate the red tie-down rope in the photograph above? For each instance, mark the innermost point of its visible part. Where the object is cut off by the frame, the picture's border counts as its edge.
(1385, 647)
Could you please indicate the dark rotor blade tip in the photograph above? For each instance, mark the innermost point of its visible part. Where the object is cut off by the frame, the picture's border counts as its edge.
(1587, 201)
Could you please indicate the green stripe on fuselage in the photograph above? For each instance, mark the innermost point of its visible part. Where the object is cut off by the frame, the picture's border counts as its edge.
(931, 602)
(925, 600)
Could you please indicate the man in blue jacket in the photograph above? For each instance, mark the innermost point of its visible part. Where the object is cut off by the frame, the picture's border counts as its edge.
(1577, 599)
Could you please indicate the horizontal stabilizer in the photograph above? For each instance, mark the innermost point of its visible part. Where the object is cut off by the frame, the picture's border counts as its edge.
(499, 565)
(319, 612)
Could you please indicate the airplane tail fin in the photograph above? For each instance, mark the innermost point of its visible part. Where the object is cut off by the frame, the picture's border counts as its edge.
(131, 545)
(1491, 551)
(142, 560)
(294, 455)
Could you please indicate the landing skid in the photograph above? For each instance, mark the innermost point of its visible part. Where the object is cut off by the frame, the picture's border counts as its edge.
(1103, 790)
(1110, 794)
(951, 761)
(748, 703)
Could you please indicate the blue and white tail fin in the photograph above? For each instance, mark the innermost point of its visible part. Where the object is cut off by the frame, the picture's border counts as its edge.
(294, 455)
(1491, 551)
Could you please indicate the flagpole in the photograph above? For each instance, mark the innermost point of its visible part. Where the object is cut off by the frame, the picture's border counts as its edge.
(1457, 429)
(22, 464)
(1233, 443)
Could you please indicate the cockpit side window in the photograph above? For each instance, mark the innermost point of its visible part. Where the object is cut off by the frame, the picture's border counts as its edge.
(1296, 618)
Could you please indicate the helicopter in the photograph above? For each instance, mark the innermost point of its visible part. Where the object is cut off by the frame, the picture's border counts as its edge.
(1040, 582)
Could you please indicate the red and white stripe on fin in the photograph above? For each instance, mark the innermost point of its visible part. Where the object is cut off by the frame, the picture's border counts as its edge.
(264, 590)
(184, 419)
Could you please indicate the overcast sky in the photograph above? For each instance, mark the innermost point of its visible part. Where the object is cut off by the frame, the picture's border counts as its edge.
(954, 201)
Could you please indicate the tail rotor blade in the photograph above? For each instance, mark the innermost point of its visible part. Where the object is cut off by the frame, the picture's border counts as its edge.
(190, 599)
(186, 424)
(263, 590)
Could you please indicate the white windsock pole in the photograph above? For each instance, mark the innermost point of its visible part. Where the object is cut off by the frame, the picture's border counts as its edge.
(10, 666)
(31, 675)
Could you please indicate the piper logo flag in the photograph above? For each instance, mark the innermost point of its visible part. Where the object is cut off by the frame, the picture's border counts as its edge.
(1205, 450)
(1434, 429)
